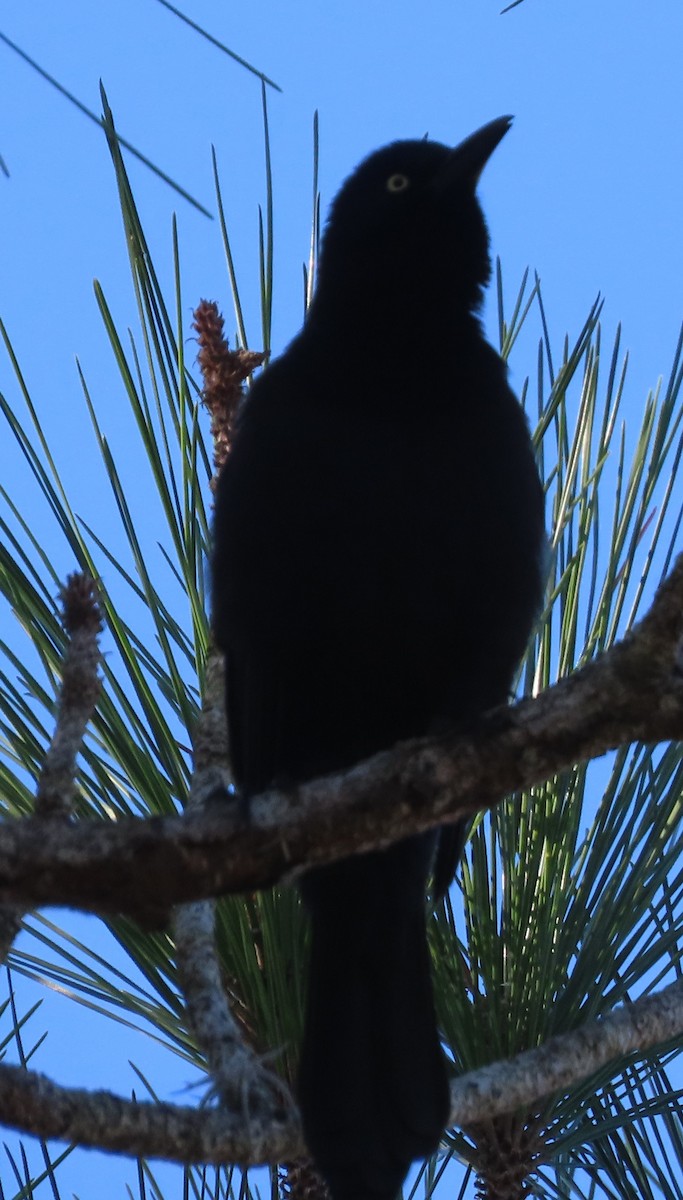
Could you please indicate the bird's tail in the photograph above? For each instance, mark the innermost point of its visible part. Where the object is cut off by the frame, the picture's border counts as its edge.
(373, 1087)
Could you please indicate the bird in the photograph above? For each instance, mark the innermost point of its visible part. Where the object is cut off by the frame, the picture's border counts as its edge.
(376, 575)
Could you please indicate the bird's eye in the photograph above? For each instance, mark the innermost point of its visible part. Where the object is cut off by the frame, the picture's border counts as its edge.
(397, 183)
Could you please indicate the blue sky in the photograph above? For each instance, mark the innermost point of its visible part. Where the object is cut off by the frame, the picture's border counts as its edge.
(586, 189)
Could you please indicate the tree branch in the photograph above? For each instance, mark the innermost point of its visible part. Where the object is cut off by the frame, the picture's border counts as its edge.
(34, 1104)
(633, 692)
(567, 1059)
(241, 1079)
(78, 696)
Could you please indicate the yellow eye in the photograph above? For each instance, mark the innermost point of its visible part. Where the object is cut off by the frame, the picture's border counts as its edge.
(397, 183)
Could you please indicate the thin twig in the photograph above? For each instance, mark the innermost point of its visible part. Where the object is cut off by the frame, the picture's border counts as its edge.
(240, 1077)
(77, 699)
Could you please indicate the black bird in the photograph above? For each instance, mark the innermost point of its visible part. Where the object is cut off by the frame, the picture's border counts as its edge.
(376, 574)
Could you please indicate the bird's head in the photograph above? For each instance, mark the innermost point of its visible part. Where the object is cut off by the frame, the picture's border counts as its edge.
(407, 222)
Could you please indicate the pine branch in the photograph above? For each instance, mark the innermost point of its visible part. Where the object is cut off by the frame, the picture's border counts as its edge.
(34, 1104)
(633, 692)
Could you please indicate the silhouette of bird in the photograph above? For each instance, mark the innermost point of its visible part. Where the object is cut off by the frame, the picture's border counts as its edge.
(376, 574)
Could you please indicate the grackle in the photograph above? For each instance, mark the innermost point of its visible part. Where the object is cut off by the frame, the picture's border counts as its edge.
(376, 574)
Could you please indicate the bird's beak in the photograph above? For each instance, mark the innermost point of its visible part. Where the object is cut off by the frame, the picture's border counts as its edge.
(467, 161)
